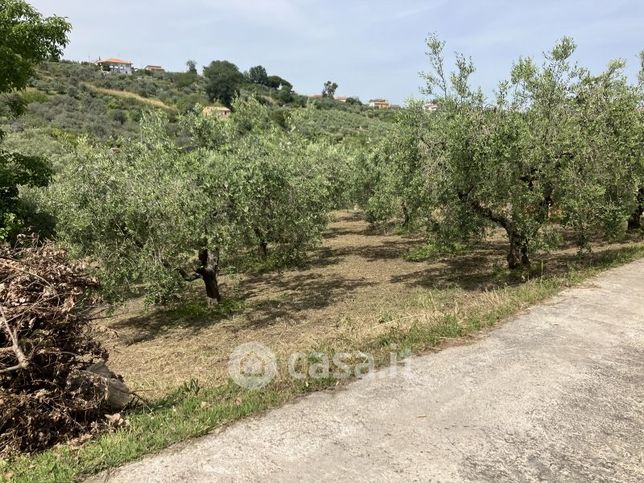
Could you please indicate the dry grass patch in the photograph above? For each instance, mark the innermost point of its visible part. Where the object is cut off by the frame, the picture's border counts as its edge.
(131, 96)
(357, 287)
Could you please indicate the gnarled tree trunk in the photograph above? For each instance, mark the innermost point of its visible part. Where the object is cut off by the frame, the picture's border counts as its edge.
(263, 244)
(208, 272)
(263, 249)
(635, 220)
(518, 254)
(406, 215)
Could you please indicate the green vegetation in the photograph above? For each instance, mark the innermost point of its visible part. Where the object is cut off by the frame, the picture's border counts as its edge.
(17, 170)
(339, 125)
(67, 101)
(27, 39)
(558, 149)
(246, 186)
(329, 89)
(79, 99)
(224, 81)
(257, 75)
(128, 173)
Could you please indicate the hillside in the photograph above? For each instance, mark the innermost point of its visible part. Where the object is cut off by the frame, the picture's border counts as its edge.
(71, 98)
(80, 99)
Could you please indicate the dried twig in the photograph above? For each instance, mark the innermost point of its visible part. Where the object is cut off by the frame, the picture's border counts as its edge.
(23, 362)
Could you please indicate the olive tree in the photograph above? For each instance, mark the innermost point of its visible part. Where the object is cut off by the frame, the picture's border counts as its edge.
(280, 193)
(278, 180)
(143, 211)
(391, 181)
(557, 147)
(634, 221)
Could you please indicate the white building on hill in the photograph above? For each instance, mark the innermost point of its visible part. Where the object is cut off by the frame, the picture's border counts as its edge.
(116, 66)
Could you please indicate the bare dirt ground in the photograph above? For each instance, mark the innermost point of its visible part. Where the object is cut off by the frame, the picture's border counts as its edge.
(357, 285)
(556, 394)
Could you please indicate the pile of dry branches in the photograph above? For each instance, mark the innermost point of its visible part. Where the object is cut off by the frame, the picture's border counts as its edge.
(50, 389)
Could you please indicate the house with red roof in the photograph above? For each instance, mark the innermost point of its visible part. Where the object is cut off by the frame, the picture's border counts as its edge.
(116, 66)
(379, 103)
(154, 68)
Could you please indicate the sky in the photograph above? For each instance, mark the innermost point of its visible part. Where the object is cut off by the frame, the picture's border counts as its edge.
(370, 48)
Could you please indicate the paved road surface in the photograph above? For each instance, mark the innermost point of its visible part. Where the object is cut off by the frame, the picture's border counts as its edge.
(557, 393)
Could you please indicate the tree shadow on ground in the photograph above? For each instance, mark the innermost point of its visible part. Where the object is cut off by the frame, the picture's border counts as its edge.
(297, 294)
(192, 311)
(386, 250)
(484, 267)
(337, 232)
(481, 268)
(282, 297)
(340, 231)
(353, 224)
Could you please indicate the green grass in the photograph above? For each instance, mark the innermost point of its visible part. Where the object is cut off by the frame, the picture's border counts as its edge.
(431, 250)
(193, 411)
(195, 310)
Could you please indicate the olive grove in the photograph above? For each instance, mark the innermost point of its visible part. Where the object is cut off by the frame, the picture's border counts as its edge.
(557, 148)
(243, 189)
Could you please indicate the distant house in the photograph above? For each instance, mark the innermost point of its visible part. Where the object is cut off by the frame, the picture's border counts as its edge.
(117, 66)
(379, 104)
(216, 110)
(430, 106)
(335, 98)
(154, 68)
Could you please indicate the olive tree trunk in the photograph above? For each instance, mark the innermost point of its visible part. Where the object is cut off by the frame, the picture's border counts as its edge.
(207, 271)
(518, 253)
(635, 220)
(263, 244)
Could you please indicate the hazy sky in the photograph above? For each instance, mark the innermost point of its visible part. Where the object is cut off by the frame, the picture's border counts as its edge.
(371, 48)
